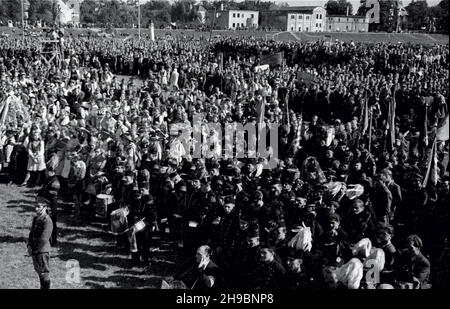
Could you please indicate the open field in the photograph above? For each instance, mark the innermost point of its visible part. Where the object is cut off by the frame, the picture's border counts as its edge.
(102, 265)
(371, 37)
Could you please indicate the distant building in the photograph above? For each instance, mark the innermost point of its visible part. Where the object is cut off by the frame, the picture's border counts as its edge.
(69, 12)
(202, 14)
(298, 18)
(343, 23)
(235, 19)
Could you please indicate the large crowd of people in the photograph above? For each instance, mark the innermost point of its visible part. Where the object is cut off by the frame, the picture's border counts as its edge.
(354, 199)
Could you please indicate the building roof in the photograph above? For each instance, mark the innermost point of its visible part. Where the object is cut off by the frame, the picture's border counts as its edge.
(299, 9)
(348, 16)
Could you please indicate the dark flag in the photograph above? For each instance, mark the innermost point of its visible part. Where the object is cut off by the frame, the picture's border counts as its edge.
(432, 170)
(365, 117)
(272, 59)
(390, 125)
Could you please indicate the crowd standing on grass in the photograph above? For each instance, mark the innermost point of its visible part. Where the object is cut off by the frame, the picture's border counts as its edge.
(355, 198)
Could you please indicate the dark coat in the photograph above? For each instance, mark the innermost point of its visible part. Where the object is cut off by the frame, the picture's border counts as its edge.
(211, 270)
(416, 266)
(270, 275)
(41, 231)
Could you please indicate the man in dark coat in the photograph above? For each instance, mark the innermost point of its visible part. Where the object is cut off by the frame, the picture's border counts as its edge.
(395, 190)
(50, 191)
(296, 278)
(381, 201)
(270, 271)
(412, 266)
(204, 274)
(357, 223)
(39, 242)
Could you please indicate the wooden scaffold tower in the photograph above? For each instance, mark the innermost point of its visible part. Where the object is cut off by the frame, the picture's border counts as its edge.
(51, 53)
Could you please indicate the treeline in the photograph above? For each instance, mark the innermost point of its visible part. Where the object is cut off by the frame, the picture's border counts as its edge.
(115, 13)
(46, 11)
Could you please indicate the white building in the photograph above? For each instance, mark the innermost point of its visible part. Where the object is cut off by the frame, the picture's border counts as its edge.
(306, 19)
(337, 23)
(69, 11)
(202, 14)
(234, 19)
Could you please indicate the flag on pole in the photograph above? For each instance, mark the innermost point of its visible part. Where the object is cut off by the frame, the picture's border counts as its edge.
(442, 131)
(432, 170)
(365, 117)
(272, 59)
(286, 104)
(260, 111)
(390, 125)
(4, 109)
(425, 127)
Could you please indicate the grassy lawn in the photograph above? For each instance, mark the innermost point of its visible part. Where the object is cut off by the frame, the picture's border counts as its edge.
(102, 265)
(371, 37)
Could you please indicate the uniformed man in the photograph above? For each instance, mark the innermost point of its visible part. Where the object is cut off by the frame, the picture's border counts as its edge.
(50, 191)
(39, 242)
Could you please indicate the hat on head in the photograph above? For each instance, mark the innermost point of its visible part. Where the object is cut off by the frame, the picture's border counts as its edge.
(332, 217)
(229, 200)
(42, 201)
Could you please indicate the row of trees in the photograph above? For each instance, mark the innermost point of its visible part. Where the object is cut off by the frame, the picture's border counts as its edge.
(46, 11)
(160, 11)
(421, 16)
(116, 13)
(429, 18)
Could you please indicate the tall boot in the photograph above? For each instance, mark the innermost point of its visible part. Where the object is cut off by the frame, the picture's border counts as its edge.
(45, 282)
(135, 259)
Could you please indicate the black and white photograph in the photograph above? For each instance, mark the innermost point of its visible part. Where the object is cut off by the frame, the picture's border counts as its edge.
(223, 145)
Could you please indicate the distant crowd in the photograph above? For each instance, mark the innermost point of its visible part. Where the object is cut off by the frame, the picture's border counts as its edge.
(355, 187)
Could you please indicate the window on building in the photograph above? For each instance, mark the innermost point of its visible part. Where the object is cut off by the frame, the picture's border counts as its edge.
(292, 28)
(242, 15)
(238, 15)
(348, 19)
(252, 15)
(234, 25)
(299, 28)
(307, 17)
(320, 16)
(292, 16)
(234, 14)
(346, 27)
(339, 20)
(242, 24)
(320, 25)
(300, 16)
(317, 16)
(329, 27)
(317, 25)
(307, 29)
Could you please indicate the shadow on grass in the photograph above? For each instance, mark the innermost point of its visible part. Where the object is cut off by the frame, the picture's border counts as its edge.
(25, 205)
(126, 282)
(12, 239)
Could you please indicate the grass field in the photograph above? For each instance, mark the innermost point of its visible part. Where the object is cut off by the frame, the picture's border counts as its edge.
(371, 37)
(102, 265)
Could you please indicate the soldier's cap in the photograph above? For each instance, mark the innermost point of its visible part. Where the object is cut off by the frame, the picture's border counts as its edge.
(42, 201)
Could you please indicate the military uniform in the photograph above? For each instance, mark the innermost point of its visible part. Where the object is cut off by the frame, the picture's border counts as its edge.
(39, 247)
(50, 191)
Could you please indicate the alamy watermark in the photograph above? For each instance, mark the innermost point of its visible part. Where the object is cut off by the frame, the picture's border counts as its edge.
(73, 272)
(232, 140)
